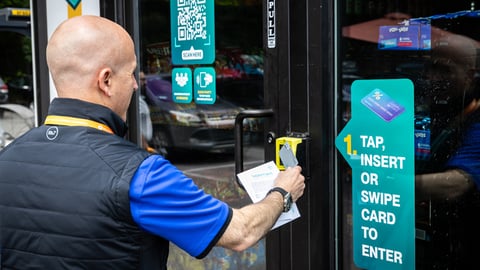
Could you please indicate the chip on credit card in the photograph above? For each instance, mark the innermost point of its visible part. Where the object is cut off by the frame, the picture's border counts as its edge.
(287, 156)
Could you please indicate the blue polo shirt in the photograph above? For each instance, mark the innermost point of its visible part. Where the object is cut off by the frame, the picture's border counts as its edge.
(167, 203)
(467, 156)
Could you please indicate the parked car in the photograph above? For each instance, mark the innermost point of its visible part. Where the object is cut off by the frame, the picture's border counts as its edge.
(3, 91)
(177, 126)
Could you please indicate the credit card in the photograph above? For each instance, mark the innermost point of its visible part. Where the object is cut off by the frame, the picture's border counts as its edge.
(382, 105)
(287, 156)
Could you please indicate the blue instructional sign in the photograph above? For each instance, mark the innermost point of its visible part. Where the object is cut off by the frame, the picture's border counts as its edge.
(378, 144)
(192, 31)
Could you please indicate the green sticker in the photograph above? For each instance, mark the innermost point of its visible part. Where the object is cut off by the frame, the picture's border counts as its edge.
(182, 85)
(192, 32)
(378, 144)
(205, 85)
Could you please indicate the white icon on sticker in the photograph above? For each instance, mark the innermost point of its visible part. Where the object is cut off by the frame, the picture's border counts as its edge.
(181, 79)
(204, 79)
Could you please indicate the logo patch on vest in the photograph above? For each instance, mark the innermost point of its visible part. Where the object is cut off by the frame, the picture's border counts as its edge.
(52, 133)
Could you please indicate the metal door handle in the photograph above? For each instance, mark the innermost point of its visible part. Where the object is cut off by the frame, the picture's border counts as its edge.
(239, 135)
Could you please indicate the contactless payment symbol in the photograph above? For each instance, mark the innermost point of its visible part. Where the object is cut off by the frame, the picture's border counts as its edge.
(382, 105)
(204, 85)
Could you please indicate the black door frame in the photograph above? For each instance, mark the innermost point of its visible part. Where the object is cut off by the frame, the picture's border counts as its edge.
(299, 87)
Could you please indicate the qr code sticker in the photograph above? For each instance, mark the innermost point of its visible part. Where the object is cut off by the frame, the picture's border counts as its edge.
(192, 19)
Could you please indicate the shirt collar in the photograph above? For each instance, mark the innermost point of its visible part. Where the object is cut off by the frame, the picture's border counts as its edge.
(91, 111)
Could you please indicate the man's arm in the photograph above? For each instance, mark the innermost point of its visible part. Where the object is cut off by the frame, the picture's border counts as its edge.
(252, 222)
(450, 184)
(165, 202)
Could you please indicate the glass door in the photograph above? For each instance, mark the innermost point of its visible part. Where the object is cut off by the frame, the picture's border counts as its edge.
(434, 45)
(199, 138)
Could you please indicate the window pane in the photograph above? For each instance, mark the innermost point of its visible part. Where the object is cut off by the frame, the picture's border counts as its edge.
(199, 138)
(439, 54)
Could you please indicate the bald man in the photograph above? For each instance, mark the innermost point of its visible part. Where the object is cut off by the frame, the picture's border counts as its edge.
(75, 195)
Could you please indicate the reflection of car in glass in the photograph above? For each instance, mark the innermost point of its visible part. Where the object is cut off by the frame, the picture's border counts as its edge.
(246, 93)
(3, 91)
(190, 126)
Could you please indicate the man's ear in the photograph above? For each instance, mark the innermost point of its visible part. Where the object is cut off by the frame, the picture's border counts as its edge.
(104, 80)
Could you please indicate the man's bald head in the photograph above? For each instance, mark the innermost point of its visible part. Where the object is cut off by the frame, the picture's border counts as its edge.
(93, 59)
(80, 47)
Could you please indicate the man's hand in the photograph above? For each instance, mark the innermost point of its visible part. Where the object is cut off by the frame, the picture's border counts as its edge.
(292, 181)
(250, 223)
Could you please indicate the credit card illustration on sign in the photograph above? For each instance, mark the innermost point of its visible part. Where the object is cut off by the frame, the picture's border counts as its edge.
(382, 105)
